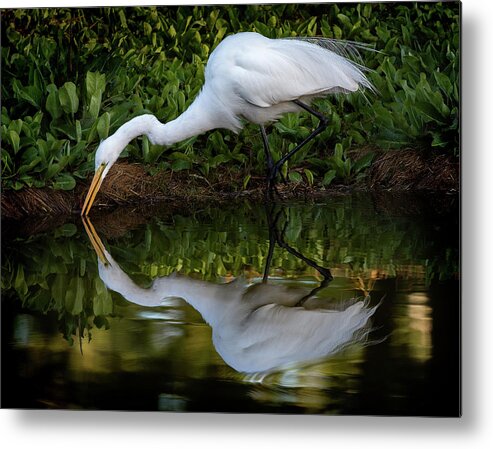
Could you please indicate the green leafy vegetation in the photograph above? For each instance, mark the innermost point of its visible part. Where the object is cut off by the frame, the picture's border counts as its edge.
(57, 271)
(71, 77)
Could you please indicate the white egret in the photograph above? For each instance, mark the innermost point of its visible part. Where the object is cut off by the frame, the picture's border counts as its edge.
(257, 328)
(247, 77)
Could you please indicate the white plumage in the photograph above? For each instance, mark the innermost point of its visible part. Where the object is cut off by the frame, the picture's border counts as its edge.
(255, 329)
(248, 77)
(257, 78)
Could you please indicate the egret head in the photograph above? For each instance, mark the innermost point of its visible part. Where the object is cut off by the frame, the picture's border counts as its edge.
(110, 149)
(106, 155)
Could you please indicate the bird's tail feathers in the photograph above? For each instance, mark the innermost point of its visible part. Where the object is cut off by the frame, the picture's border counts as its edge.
(349, 50)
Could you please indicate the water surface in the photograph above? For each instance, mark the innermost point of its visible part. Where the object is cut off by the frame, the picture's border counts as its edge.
(346, 305)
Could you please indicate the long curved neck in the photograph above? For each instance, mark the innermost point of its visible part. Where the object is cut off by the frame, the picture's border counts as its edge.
(194, 121)
(209, 299)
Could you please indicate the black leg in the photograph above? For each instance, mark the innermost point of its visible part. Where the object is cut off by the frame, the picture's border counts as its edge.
(272, 222)
(317, 114)
(271, 172)
(268, 156)
(321, 126)
(325, 272)
(276, 236)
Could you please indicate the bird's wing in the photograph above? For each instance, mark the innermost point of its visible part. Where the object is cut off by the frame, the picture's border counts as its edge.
(286, 69)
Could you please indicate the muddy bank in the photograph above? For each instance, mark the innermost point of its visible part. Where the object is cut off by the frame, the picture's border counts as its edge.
(131, 184)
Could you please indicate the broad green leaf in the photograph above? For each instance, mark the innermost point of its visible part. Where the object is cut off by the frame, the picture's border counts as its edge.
(367, 9)
(444, 82)
(53, 105)
(66, 128)
(145, 149)
(363, 162)
(68, 98)
(356, 136)
(64, 181)
(103, 126)
(123, 20)
(285, 129)
(53, 169)
(14, 140)
(31, 94)
(218, 160)
(28, 167)
(337, 32)
(338, 151)
(6, 163)
(429, 111)
(16, 125)
(95, 87)
(339, 166)
(328, 177)
(147, 29)
(347, 167)
(345, 21)
(95, 105)
(181, 101)
(95, 84)
(295, 177)
(309, 176)
(180, 164)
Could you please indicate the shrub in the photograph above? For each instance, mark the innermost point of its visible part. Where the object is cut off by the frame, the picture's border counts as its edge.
(72, 76)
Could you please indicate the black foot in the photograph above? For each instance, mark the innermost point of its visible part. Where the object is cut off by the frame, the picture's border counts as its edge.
(272, 172)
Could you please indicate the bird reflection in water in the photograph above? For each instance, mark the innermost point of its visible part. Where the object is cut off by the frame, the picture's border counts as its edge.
(256, 328)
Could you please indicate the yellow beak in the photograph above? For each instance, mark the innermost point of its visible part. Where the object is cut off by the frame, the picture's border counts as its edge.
(93, 190)
(95, 240)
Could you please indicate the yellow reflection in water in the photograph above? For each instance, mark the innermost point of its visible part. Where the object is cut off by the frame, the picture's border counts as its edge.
(414, 326)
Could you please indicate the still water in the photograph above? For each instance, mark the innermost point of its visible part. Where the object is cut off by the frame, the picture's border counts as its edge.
(343, 305)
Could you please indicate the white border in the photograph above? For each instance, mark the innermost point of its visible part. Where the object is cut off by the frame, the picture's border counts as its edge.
(54, 429)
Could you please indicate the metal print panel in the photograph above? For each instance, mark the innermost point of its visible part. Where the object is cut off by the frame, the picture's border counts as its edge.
(249, 208)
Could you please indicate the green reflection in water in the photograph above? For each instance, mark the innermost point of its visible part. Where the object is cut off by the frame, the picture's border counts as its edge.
(364, 243)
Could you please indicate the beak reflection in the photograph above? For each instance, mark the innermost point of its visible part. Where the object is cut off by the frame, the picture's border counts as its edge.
(95, 240)
(93, 190)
